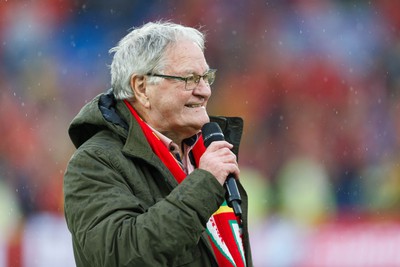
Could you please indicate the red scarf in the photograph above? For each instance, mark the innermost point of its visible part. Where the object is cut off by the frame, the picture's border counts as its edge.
(222, 228)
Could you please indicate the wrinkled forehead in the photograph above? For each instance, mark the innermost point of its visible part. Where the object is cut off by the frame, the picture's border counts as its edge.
(185, 57)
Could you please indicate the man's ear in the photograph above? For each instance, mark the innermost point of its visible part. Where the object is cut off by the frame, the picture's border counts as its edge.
(138, 86)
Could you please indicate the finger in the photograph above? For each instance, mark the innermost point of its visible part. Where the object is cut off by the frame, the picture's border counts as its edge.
(214, 146)
(227, 156)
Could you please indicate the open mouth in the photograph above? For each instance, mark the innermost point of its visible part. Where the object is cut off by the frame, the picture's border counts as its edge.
(194, 105)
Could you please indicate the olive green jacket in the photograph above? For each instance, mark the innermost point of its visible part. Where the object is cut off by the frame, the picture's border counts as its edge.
(124, 207)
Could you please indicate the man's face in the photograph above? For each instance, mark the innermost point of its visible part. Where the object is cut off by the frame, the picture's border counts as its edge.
(174, 111)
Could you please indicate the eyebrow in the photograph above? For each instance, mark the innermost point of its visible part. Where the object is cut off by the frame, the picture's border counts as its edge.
(195, 73)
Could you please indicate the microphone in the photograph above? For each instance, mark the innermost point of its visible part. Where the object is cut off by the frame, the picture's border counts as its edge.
(212, 132)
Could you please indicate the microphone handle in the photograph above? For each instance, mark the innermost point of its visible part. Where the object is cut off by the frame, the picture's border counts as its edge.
(212, 132)
(232, 195)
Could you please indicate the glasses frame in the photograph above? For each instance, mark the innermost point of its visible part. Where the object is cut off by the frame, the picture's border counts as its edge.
(185, 79)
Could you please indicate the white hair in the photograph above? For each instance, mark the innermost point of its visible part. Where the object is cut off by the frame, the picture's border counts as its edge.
(142, 51)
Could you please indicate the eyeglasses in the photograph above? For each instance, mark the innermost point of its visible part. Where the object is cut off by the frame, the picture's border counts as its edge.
(191, 81)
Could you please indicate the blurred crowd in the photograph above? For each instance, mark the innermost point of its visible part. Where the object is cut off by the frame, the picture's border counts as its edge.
(317, 83)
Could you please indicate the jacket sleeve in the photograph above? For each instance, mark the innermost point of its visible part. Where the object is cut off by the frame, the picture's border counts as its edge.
(115, 223)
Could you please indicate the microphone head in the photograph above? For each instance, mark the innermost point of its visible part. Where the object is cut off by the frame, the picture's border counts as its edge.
(211, 132)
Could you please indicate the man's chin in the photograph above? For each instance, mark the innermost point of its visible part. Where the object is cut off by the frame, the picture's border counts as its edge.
(196, 123)
(195, 128)
(203, 121)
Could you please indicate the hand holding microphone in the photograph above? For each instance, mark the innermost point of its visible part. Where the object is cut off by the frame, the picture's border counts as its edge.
(221, 162)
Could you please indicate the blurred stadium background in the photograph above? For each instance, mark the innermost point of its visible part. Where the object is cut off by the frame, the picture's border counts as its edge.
(317, 83)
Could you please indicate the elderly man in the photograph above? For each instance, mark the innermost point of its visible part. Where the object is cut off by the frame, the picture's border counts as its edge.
(141, 188)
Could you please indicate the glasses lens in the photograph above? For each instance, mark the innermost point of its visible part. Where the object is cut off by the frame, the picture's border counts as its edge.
(210, 77)
(191, 82)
